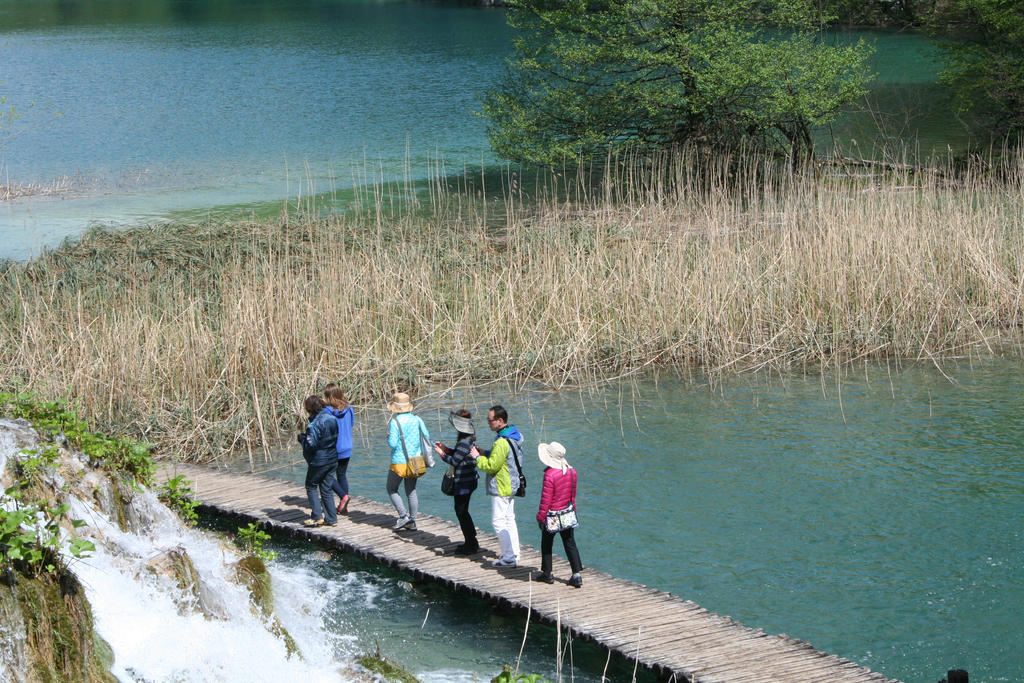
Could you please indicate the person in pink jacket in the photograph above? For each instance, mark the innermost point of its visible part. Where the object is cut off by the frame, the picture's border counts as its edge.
(558, 493)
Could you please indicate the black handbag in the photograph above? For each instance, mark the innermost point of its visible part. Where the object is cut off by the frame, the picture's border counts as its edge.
(448, 481)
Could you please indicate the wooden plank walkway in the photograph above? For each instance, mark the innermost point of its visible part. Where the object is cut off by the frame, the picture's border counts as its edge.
(676, 638)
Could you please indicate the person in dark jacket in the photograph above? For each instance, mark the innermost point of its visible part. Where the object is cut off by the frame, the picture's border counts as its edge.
(466, 476)
(320, 453)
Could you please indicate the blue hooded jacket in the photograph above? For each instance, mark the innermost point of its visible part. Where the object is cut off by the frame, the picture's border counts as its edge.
(345, 418)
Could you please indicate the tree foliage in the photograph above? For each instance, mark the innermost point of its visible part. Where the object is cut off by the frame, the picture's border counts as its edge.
(586, 75)
(901, 13)
(984, 45)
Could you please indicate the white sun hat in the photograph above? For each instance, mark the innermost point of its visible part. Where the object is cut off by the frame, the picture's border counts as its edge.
(553, 455)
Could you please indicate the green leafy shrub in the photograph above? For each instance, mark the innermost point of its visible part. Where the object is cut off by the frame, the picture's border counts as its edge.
(34, 462)
(984, 63)
(52, 419)
(587, 77)
(251, 539)
(30, 535)
(178, 495)
(506, 676)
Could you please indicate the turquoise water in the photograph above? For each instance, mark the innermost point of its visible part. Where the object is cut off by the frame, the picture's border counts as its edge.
(879, 516)
(145, 110)
(439, 636)
(189, 108)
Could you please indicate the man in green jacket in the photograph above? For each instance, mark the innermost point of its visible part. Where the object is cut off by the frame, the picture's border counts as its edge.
(502, 464)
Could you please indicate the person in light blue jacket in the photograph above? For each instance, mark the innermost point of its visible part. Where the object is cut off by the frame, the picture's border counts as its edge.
(405, 434)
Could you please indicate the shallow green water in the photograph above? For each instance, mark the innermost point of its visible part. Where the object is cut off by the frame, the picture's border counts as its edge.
(156, 109)
(879, 517)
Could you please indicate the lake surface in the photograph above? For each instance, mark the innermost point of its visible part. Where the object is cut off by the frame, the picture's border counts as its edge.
(879, 515)
(145, 110)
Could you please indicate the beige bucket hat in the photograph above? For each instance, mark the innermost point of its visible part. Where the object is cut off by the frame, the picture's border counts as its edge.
(400, 403)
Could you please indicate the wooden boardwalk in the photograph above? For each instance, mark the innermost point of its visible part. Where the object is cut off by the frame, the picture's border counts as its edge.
(676, 638)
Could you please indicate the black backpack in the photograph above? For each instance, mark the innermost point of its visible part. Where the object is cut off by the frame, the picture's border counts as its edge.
(517, 456)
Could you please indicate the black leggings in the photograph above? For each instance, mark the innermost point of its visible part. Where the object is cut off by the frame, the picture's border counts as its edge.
(465, 519)
(547, 540)
(341, 479)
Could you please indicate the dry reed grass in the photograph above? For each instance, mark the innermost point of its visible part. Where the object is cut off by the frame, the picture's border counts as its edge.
(204, 338)
(59, 187)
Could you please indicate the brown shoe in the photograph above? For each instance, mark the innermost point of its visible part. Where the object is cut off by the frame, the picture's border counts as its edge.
(313, 522)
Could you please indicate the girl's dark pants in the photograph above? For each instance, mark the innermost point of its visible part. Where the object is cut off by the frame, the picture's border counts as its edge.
(465, 520)
(340, 485)
(547, 540)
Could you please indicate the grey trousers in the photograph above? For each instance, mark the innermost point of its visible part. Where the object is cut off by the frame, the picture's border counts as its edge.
(410, 493)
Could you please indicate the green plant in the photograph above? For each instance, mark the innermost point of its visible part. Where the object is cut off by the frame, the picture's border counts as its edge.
(984, 64)
(385, 669)
(52, 419)
(587, 76)
(178, 495)
(506, 676)
(35, 462)
(251, 538)
(30, 535)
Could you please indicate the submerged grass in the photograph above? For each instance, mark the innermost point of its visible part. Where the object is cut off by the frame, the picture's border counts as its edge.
(204, 338)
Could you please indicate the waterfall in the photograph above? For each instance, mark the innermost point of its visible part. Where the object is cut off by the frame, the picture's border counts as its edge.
(165, 598)
(163, 595)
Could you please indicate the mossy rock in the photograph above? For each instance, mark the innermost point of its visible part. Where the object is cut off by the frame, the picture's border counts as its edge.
(176, 565)
(291, 647)
(386, 669)
(252, 573)
(60, 643)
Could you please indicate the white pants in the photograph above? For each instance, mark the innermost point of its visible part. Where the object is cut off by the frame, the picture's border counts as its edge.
(503, 517)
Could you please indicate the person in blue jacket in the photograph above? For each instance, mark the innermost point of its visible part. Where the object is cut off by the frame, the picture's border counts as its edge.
(320, 453)
(342, 411)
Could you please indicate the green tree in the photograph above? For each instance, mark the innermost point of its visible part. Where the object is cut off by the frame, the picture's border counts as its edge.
(984, 45)
(902, 13)
(587, 75)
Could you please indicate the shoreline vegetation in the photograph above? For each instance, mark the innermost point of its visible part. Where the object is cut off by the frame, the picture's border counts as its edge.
(59, 187)
(203, 338)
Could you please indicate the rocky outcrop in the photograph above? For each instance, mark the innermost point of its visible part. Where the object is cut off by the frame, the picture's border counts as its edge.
(46, 626)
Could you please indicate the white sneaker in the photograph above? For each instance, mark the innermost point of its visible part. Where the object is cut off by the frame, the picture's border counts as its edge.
(401, 522)
(504, 563)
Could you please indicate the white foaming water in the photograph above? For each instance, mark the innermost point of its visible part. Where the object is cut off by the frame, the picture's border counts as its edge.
(162, 628)
(158, 631)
